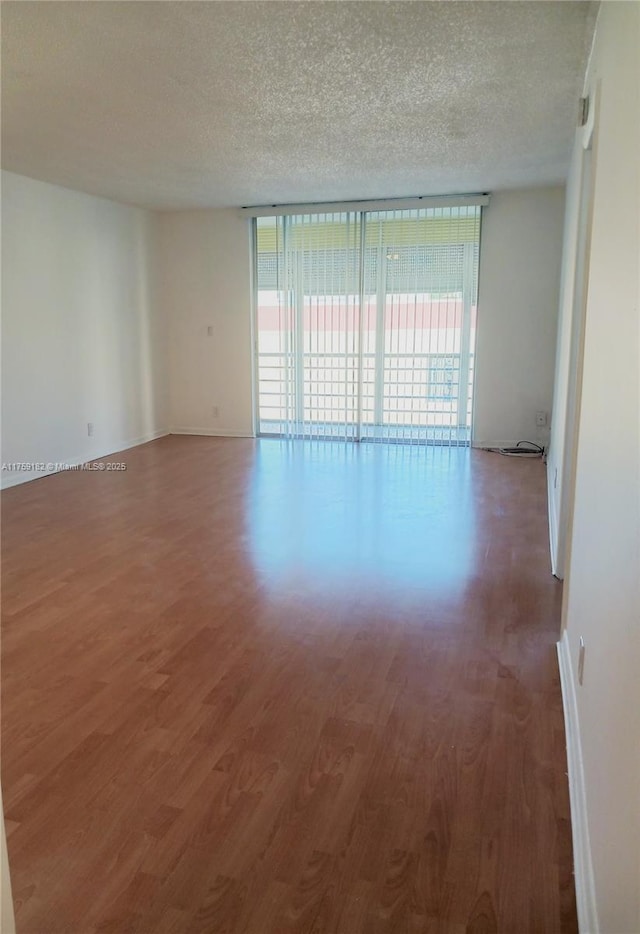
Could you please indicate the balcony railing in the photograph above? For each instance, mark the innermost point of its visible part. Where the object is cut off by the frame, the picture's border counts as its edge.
(395, 397)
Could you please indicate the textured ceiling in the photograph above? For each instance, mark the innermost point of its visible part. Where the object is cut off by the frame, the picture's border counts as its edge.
(194, 104)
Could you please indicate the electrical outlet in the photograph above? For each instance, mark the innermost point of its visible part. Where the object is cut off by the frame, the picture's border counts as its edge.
(541, 419)
(210, 331)
(215, 411)
(90, 429)
(581, 661)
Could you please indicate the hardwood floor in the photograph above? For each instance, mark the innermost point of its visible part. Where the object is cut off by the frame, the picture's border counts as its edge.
(272, 687)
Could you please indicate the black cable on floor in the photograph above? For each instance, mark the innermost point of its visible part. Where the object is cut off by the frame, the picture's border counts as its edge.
(534, 450)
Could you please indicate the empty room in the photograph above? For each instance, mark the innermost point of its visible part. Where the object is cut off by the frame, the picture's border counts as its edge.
(320, 434)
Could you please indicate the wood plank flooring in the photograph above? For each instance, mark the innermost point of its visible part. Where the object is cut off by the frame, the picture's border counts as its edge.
(278, 687)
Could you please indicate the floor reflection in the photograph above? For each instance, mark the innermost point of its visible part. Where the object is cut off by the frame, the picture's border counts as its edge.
(345, 516)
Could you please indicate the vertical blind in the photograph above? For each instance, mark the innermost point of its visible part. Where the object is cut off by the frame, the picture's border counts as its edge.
(366, 324)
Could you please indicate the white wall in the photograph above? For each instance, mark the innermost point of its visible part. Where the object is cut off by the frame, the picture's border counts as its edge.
(566, 386)
(81, 340)
(602, 588)
(205, 283)
(520, 262)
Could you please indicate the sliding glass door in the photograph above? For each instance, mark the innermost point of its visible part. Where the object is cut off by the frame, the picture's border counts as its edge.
(308, 324)
(365, 324)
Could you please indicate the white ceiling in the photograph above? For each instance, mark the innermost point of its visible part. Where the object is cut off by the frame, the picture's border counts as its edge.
(194, 104)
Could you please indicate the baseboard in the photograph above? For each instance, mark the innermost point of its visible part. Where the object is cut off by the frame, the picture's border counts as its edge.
(583, 866)
(487, 445)
(9, 480)
(211, 433)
